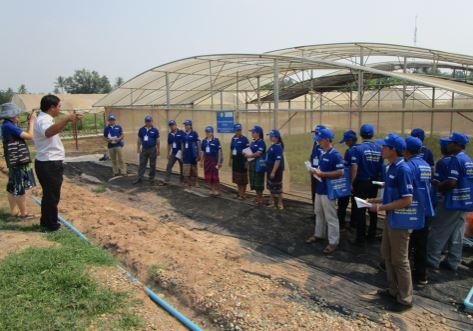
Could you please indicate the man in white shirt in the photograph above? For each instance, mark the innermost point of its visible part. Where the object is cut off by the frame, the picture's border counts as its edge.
(49, 157)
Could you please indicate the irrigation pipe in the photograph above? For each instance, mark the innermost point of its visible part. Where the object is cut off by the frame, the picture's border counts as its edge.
(157, 299)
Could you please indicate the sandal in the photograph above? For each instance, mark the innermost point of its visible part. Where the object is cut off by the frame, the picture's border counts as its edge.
(27, 216)
(330, 249)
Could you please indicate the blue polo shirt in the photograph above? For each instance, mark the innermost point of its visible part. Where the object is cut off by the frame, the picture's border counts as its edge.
(190, 152)
(441, 169)
(211, 147)
(422, 174)
(149, 137)
(175, 140)
(113, 131)
(258, 145)
(330, 160)
(367, 156)
(315, 154)
(427, 155)
(460, 166)
(275, 153)
(238, 144)
(399, 183)
(10, 128)
(347, 158)
(461, 196)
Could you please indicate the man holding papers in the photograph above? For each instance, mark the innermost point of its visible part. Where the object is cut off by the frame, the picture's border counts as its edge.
(402, 217)
(330, 166)
(175, 138)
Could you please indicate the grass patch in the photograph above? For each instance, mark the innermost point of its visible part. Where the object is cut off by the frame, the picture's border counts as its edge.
(99, 189)
(50, 288)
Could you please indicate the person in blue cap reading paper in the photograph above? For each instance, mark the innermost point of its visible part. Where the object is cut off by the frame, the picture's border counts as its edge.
(275, 169)
(114, 136)
(238, 161)
(212, 159)
(256, 172)
(402, 217)
(422, 173)
(175, 138)
(330, 166)
(190, 150)
(314, 161)
(367, 166)
(425, 153)
(448, 225)
(350, 139)
(148, 149)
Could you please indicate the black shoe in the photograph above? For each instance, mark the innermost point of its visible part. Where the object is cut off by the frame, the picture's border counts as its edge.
(137, 181)
(50, 228)
(398, 307)
(446, 266)
(385, 294)
(382, 266)
(421, 281)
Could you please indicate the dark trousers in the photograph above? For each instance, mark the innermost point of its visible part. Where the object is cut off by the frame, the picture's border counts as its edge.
(313, 186)
(50, 174)
(171, 161)
(148, 154)
(418, 250)
(342, 210)
(364, 189)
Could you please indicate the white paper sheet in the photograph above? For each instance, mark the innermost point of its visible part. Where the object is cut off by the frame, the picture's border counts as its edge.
(360, 203)
(310, 168)
(378, 183)
(247, 151)
(179, 155)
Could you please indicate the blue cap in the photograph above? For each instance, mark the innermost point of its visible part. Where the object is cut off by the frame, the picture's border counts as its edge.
(172, 122)
(9, 110)
(274, 133)
(111, 117)
(148, 119)
(419, 133)
(367, 130)
(237, 127)
(318, 127)
(413, 144)
(349, 134)
(209, 129)
(257, 129)
(459, 138)
(394, 141)
(187, 122)
(324, 134)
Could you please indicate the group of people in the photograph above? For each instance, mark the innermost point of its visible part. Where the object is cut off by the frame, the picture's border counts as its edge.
(48, 163)
(425, 202)
(251, 161)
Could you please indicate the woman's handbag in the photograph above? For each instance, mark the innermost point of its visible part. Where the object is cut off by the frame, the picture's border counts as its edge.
(16, 151)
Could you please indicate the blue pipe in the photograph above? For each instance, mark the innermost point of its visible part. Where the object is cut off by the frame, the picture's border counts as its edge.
(161, 302)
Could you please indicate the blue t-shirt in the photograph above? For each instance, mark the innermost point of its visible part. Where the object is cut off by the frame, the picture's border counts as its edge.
(275, 153)
(460, 166)
(190, 152)
(347, 158)
(258, 145)
(238, 144)
(175, 140)
(211, 147)
(427, 155)
(113, 131)
(328, 161)
(441, 169)
(367, 156)
(315, 154)
(422, 174)
(149, 137)
(10, 129)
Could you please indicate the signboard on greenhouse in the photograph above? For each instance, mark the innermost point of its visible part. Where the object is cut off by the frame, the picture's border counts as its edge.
(225, 121)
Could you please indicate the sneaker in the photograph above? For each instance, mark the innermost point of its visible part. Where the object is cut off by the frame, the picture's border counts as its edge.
(446, 266)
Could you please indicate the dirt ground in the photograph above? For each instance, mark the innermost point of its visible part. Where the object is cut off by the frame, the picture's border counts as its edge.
(230, 265)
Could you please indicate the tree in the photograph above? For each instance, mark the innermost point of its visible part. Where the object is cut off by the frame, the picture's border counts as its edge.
(6, 95)
(22, 89)
(59, 85)
(118, 82)
(85, 81)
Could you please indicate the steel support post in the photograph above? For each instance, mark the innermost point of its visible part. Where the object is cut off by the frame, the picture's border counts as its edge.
(275, 93)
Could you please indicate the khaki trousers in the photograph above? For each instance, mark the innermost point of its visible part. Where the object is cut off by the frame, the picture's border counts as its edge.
(116, 156)
(395, 251)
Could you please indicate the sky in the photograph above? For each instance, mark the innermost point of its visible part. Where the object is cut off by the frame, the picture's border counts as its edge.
(42, 40)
